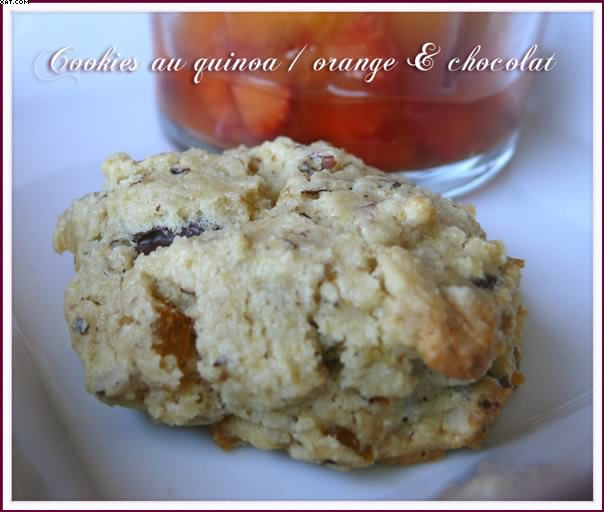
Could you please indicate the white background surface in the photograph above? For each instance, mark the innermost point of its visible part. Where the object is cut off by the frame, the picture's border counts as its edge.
(66, 445)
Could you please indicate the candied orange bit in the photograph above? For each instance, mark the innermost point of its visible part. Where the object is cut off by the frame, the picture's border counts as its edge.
(517, 378)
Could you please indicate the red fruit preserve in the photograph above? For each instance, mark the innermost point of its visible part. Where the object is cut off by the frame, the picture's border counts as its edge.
(402, 119)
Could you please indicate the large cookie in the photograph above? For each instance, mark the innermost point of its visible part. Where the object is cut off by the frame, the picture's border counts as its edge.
(294, 299)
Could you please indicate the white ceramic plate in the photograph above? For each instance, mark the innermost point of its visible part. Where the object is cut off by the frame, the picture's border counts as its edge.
(66, 445)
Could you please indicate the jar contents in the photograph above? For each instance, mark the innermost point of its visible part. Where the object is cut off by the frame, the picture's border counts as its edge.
(403, 119)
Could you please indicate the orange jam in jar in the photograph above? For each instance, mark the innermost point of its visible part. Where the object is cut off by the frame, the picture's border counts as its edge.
(403, 119)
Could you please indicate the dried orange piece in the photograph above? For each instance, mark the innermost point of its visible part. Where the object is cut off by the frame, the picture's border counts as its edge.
(196, 34)
(217, 103)
(263, 108)
(273, 34)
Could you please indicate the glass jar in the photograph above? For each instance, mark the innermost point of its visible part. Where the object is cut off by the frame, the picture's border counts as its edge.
(447, 129)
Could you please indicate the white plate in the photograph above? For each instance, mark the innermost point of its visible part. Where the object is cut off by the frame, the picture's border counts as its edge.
(67, 445)
(544, 216)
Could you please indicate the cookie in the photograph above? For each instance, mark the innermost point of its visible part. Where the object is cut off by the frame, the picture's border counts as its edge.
(292, 298)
